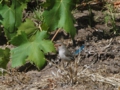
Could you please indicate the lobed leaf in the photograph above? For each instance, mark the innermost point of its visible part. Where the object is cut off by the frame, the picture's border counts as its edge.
(28, 27)
(59, 16)
(32, 51)
(19, 40)
(12, 16)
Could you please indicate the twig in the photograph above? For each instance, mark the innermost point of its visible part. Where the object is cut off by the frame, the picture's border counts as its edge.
(97, 77)
(55, 34)
(40, 27)
(55, 65)
(3, 70)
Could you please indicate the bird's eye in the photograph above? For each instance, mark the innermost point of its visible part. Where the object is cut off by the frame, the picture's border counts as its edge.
(60, 45)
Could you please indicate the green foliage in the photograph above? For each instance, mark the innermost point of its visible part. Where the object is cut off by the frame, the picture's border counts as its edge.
(8, 20)
(28, 27)
(33, 43)
(12, 17)
(59, 15)
(4, 57)
(38, 14)
(110, 17)
(32, 51)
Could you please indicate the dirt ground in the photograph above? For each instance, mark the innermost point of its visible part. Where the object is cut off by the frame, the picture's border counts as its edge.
(97, 67)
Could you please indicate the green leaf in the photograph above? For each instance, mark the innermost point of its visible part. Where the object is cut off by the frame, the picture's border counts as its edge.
(20, 3)
(28, 27)
(4, 57)
(8, 18)
(59, 16)
(46, 46)
(20, 39)
(17, 7)
(32, 51)
(48, 4)
(12, 16)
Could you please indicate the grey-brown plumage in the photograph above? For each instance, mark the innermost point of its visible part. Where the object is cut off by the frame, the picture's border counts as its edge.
(64, 53)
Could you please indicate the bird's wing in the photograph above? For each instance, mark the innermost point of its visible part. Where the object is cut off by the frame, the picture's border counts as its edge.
(69, 54)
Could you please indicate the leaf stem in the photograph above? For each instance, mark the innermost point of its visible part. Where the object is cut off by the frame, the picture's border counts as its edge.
(55, 34)
(40, 27)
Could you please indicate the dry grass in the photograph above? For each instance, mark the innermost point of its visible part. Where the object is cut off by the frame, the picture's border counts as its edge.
(73, 74)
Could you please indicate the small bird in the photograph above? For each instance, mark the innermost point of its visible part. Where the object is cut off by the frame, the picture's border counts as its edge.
(64, 53)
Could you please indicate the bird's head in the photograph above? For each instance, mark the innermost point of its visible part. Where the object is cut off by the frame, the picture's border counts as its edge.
(60, 46)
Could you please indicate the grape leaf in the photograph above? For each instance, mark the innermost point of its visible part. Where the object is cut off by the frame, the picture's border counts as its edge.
(18, 40)
(28, 27)
(59, 16)
(4, 57)
(32, 51)
(12, 16)
(8, 18)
